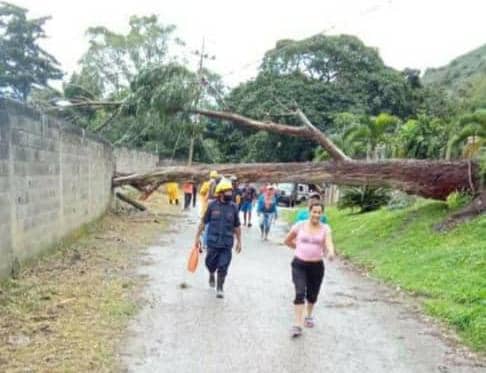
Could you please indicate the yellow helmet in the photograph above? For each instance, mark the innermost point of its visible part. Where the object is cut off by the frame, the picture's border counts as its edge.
(213, 174)
(223, 186)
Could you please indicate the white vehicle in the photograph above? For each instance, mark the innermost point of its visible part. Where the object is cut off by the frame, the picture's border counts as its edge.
(291, 193)
(302, 192)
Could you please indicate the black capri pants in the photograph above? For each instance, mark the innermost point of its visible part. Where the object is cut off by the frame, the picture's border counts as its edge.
(307, 278)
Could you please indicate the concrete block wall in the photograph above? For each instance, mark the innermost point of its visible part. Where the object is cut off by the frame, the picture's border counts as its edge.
(5, 226)
(54, 177)
(134, 161)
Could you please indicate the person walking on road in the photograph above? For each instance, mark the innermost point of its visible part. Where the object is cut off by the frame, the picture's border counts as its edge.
(223, 225)
(187, 188)
(236, 191)
(312, 241)
(173, 193)
(208, 194)
(194, 194)
(207, 191)
(267, 210)
(248, 197)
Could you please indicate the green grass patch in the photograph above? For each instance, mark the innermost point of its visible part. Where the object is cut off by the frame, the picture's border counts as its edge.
(402, 248)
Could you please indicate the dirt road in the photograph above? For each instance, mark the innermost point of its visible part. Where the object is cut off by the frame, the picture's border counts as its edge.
(362, 326)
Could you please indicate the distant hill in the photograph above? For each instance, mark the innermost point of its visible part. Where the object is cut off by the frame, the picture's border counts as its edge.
(461, 75)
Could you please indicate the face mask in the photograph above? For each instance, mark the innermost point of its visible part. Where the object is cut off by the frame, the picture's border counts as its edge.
(227, 197)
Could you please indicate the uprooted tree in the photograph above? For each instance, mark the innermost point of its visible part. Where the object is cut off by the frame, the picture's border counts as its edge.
(426, 178)
(333, 71)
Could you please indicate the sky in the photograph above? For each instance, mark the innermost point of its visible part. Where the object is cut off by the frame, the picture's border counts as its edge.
(407, 33)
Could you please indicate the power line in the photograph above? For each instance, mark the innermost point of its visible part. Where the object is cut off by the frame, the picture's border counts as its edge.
(367, 11)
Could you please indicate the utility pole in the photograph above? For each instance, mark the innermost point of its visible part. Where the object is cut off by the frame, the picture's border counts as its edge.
(202, 57)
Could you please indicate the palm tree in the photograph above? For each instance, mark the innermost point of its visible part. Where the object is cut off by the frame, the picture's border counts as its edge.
(473, 131)
(371, 132)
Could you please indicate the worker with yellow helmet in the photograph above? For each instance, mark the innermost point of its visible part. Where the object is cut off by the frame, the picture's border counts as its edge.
(223, 224)
(207, 191)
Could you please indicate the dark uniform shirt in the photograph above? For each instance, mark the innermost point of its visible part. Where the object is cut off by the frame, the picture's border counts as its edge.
(222, 219)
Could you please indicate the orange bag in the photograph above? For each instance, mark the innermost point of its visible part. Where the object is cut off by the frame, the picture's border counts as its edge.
(193, 258)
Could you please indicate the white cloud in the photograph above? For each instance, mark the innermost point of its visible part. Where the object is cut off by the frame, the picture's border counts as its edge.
(408, 33)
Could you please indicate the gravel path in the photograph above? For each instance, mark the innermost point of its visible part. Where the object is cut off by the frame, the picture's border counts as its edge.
(362, 326)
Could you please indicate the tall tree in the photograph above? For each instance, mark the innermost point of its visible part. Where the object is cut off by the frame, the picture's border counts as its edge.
(117, 58)
(324, 76)
(23, 63)
(345, 66)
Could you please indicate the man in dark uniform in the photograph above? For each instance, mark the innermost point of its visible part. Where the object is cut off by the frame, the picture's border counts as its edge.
(237, 193)
(222, 219)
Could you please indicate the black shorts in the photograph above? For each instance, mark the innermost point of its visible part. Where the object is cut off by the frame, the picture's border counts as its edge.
(307, 278)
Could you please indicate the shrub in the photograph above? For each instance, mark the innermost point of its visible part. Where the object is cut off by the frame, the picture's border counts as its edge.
(365, 198)
(456, 200)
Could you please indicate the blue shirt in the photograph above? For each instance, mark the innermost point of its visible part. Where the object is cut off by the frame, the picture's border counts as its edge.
(261, 205)
(304, 214)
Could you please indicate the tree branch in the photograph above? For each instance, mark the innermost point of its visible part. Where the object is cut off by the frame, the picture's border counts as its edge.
(255, 124)
(89, 103)
(309, 132)
(322, 139)
(130, 201)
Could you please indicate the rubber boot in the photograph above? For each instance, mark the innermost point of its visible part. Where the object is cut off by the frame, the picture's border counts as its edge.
(219, 286)
(212, 280)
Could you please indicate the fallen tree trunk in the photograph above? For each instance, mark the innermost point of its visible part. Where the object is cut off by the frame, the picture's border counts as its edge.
(430, 179)
(426, 178)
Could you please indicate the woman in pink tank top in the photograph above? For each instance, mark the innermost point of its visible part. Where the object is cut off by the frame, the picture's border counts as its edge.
(312, 241)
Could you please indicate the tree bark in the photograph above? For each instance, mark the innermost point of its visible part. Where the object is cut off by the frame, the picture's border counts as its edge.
(308, 132)
(430, 179)
(475, 208)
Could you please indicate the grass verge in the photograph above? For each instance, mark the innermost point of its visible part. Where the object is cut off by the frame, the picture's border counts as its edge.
(68, 309)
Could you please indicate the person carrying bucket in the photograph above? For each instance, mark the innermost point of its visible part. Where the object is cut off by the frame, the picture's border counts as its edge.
(223, 225)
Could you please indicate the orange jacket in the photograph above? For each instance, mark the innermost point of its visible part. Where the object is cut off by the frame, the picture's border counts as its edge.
(187, 188)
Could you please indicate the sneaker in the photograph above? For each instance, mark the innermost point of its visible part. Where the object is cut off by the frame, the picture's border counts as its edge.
(296, 331)
(212, 280)
(220, 294)
(249, 225)
(309, 322)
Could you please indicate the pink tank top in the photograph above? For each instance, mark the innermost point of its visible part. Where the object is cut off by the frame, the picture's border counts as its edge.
(309, 247)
